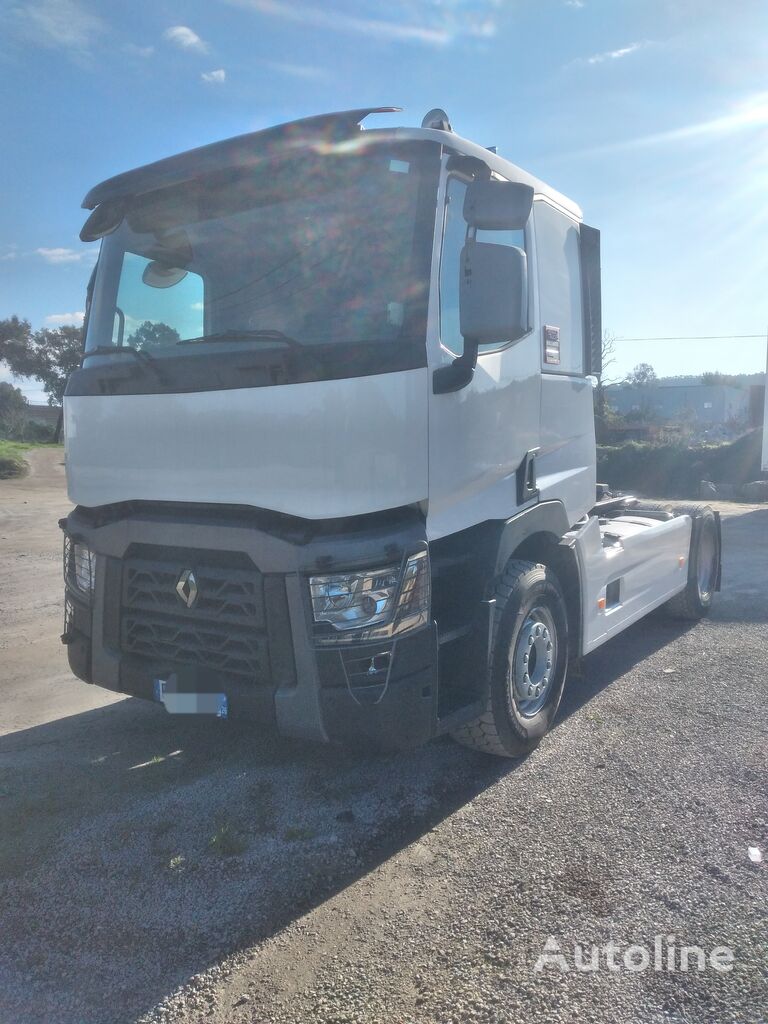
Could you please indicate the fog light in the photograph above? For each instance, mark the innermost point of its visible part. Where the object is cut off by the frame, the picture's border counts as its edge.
(79, 566)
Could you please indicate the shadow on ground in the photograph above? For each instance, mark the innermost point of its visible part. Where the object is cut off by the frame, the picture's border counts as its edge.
(137, 849)
(744, 595)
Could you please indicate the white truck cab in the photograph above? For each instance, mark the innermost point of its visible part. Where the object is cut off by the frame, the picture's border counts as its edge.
(332, 443)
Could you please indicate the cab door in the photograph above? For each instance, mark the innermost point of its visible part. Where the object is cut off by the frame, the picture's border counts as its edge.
(478, 436)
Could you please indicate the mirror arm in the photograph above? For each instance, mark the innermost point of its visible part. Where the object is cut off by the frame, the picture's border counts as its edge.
(457, 374)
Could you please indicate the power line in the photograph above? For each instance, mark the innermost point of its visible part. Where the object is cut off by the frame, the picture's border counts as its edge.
(700, 337)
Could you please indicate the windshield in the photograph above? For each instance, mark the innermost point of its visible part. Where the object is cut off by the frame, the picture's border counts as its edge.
(326, 255)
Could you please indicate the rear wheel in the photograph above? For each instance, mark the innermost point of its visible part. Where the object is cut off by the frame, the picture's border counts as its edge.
(529, 662)
(703, 566)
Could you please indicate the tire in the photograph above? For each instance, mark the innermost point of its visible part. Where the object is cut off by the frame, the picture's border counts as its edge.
(525, 689)
(648, 506)
(695, 601)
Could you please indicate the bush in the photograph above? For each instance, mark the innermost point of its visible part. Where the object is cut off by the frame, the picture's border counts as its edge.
(675, 470)
(42, 433)
(22, 429)
(11, 460)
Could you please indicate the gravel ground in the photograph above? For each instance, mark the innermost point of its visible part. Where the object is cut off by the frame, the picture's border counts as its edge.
(163, 870)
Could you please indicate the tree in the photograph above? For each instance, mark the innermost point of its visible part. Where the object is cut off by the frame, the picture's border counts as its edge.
(49, 355)
(722, 378)
(148, 334)
(13, 410)
(642, 375)
(605, 416)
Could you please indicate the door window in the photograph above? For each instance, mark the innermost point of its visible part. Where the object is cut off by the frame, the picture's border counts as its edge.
(454, 237)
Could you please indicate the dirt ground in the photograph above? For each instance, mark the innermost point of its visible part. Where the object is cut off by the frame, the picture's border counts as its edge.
(159, 869)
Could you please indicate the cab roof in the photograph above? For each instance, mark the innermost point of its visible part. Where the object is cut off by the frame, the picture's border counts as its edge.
(245, 150)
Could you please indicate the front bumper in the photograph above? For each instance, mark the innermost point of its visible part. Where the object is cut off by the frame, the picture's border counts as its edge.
(250, 634)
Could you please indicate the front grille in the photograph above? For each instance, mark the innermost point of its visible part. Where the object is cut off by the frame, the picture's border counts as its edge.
(224, 630)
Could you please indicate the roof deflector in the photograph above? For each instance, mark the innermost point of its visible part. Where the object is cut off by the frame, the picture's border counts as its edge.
(239, 151)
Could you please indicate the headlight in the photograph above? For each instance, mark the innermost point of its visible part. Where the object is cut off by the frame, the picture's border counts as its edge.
(79, 566)
(373, 604)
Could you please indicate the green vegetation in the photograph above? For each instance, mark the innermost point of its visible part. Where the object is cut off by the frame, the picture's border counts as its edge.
(12, 456)
(15, 424)
(11, 461)
(226, 841)
(49, 355)
(676, 470)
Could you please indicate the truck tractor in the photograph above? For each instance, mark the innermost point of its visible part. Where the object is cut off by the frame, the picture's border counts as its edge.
(331, 447)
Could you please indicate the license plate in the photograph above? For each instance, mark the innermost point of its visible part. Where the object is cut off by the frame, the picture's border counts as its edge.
(189, 703)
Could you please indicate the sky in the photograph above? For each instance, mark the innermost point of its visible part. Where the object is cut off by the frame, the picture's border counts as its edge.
(651, 114)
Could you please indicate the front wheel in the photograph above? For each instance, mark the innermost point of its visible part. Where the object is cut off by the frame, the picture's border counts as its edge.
(528, 666)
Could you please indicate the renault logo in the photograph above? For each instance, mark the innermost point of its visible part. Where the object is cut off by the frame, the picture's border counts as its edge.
(186, 588)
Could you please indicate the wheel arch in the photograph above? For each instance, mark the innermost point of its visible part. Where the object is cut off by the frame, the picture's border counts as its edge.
(467, 565)
(544, 523)
(537, 536)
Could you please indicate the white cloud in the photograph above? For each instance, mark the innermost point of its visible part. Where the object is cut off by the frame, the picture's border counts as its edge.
(59, 319)
(60, 255)
(60, 24)
(9, 252)
(752, 112)
(436, 24)
(574, 3)
(307, 71)
(624, 51)
(217, 77)
(185, 38)
(139, 51)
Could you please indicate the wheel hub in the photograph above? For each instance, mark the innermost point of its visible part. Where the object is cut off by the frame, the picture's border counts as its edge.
(533, 660)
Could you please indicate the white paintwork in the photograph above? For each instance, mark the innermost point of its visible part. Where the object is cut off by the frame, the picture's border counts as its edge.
(478, 436)
(565, 464)
(644, 554)
(319, 450)
(496, 162)
(559, 281)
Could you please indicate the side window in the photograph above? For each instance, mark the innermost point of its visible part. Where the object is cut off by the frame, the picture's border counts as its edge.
(557, 252)
(155, 305)
(454, 236)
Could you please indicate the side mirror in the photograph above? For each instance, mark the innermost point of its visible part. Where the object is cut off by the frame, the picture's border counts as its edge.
(493, 306)
(493, 293)
(105, 219)
(493, 205)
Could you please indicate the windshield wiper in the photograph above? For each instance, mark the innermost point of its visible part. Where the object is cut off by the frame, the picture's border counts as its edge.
(245, 335)
(143, 357)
